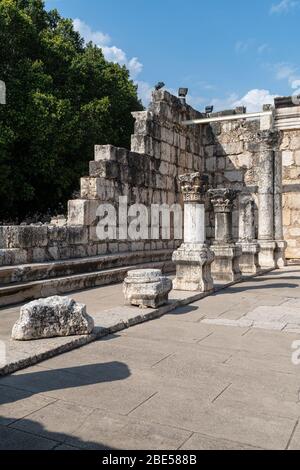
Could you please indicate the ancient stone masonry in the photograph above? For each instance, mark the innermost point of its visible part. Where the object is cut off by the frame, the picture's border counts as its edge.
(226, 265)
(162, 149)
(249, 263)
(272, 247)
(290, 148)
(231, 151)
(55, 316)
(258, 158)
(268, 141)
(193, 259)
(146, 288)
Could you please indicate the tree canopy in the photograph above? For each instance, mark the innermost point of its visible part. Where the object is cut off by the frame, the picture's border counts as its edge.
(62, 98)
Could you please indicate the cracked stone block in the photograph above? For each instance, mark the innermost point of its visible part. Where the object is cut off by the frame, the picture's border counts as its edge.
(146, 288)
(52, 317)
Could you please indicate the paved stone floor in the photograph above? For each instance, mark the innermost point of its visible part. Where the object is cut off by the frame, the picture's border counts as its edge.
(173, 383)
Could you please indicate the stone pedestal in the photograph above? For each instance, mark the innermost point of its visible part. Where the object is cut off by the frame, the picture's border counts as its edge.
(280, 259)
(193, 268)
(225, 267)
(249, 263)
(267, 253)
(193, 259)
(146, 288)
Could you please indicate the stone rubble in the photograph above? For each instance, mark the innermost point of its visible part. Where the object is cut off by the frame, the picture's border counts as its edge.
(52, 317)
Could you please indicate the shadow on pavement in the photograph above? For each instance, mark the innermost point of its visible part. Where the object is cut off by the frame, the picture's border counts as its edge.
(36, 437)
(23, 385)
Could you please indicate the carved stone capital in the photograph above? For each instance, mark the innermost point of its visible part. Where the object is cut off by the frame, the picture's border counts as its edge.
(222, 199)
(269, 139)
(194, 187)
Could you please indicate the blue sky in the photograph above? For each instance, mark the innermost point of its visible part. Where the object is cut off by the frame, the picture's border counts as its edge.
(227, 52)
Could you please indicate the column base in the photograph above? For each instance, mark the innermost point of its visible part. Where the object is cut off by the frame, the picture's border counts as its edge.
(249, 263)
(193, 268)
(225, 267)
(280, 259)
(267, 254)
(146, 288)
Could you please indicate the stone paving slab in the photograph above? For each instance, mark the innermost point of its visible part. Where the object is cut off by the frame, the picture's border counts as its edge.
(174, 383)
(12, 439)
(20, 355)
(235, 423)
(202, 442)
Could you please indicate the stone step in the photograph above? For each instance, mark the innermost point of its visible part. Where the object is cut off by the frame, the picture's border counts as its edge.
(25, 291)
(53, 269)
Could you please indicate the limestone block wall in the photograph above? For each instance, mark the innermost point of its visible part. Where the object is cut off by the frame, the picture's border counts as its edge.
(231, 153)
(161, 149)
(32, 244)
(290, 148)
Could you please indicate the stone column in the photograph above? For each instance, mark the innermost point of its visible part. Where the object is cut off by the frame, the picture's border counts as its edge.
(268, 142)
(225, 268)
(249, 263)
(193, 259)
(281, 244)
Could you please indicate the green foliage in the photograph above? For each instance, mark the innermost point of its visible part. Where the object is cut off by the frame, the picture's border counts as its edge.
(63, 97)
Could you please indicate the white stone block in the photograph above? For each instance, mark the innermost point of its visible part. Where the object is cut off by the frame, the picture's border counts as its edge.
(51, 317)
(146, 288)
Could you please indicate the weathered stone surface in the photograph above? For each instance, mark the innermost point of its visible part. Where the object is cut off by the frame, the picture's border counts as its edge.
(267, 254)
(146, 288)
(193, 259)
(193, 268)
(51, 317)
(226, 265)
(194, 187)
(233, 154)
(280, 253)
(248, 262)
(222, 200)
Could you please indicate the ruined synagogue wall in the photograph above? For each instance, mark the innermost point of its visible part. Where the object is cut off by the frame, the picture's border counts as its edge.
(290, 147)
(231, 155)
(161, 150)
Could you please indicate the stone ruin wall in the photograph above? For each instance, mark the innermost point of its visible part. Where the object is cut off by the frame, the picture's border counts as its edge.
(290, 148)
(162, 149)
(231, 154)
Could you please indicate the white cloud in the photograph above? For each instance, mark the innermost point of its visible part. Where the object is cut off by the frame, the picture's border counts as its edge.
(290, 73)
(97, 37)
(135, 67)
(221, 104)
(111, 52)
(144, 91)
(285, 6)
(285, 71)
(254, 100)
